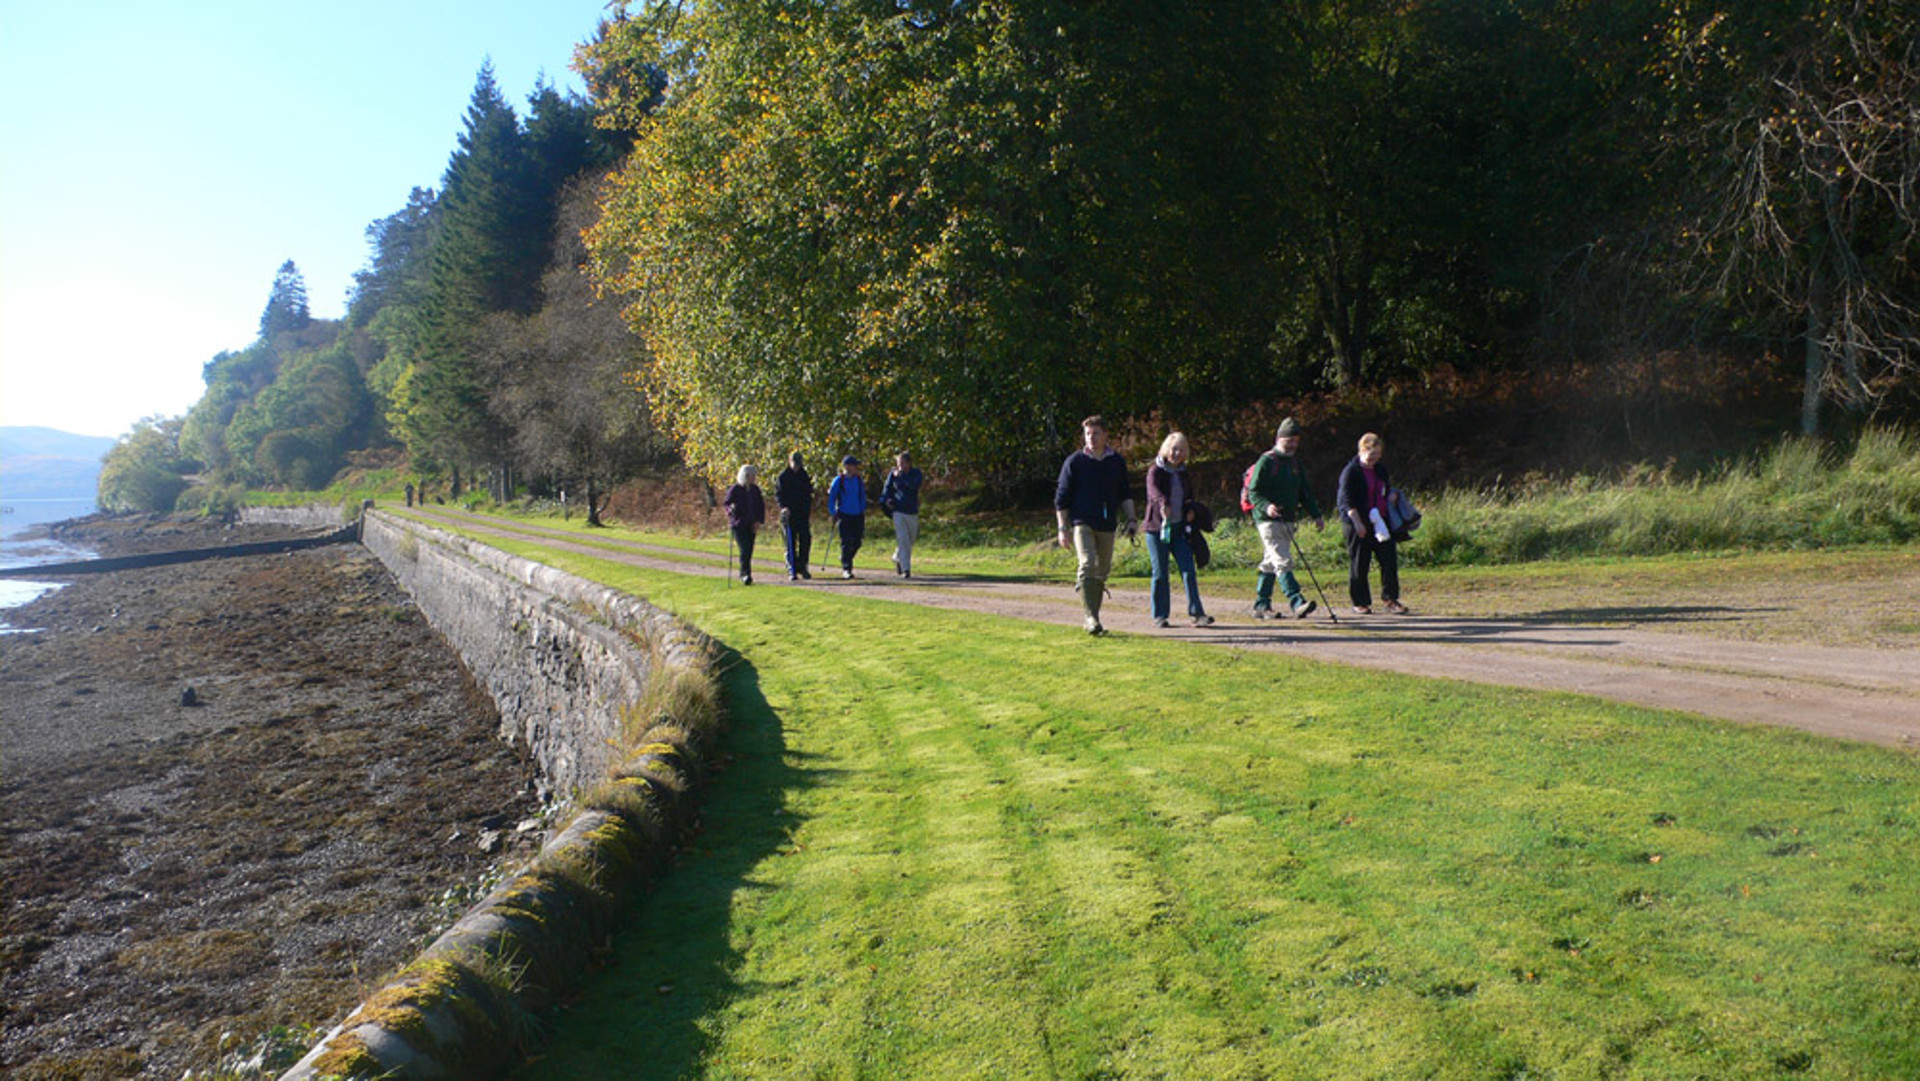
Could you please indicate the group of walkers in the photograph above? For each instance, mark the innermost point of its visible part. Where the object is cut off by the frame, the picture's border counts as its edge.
(847, 502)
(1093, 501)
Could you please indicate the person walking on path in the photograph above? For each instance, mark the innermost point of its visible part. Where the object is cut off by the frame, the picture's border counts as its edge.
(746, 513)
(1362, 506)
(847, 510)
(1169, 510)
(900, 497)
(1090, 500)
(793, 491)
(1280, 494)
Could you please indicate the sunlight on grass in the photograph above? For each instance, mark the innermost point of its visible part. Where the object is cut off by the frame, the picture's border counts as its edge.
(951, 845)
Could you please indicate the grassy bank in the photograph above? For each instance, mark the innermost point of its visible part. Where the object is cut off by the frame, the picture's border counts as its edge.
(950, 845)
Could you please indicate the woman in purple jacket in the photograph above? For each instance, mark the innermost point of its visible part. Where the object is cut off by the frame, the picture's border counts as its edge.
(1169, 509)
(746, 513)
(1362, 507)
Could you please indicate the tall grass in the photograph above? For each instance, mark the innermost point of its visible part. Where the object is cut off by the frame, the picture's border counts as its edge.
(1799, 495)
(1795, 496)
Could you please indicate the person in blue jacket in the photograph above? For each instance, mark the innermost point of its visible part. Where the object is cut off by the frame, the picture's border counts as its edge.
(847, 510)
(900, 497)
(1090, 501)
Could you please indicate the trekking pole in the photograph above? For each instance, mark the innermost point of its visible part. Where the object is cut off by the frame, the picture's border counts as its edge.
(729, 559)
(833, 535)
(1300, 550)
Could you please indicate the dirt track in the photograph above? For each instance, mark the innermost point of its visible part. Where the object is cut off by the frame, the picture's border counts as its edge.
(1845, 692)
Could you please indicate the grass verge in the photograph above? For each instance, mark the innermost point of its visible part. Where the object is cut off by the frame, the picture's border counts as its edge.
(951, 845)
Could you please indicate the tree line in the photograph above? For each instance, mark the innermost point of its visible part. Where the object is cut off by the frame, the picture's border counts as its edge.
(961, 225)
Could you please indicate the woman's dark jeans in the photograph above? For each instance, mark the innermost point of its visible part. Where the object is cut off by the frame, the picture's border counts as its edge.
(1182, 553)
(743, 537)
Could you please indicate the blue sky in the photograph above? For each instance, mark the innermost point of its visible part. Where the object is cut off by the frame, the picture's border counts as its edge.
(158, 162)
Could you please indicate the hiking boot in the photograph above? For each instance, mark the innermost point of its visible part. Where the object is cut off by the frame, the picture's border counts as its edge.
(746, 579)
(793, 578)
(1303, 608)
(1161, 622)
(1396, 608)
(808, 575)
(846, 572)
(1093, 626)
(1262, 611)
(1203, 620)
(1362, 610)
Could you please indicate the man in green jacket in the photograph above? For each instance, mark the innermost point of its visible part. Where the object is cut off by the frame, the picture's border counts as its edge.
(1280, 496)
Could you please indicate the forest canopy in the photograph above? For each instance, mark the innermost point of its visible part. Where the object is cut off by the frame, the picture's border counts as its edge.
(958, 227)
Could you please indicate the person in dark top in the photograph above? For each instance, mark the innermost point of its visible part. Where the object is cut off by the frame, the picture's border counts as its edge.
(793, 491)
(1362, 506)
(847, 509)
(746, 513)
(1170, 509)
(900, 497)
(1091, 500)
(1281, 499)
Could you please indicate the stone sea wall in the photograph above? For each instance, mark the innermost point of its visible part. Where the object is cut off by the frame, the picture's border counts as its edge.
(558, 654)
(617, 703)
(317, 516)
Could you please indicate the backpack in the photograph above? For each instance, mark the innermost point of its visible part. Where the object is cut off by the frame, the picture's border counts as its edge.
(1246, 484)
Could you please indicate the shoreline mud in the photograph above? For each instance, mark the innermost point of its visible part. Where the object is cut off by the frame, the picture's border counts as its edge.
(195, 880)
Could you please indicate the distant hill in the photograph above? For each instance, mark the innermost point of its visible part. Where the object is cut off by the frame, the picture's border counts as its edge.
(42, 463)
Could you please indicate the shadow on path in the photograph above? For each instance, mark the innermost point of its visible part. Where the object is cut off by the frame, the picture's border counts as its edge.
(671, 966)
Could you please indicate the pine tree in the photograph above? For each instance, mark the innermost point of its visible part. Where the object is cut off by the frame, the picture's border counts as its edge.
(287, 304)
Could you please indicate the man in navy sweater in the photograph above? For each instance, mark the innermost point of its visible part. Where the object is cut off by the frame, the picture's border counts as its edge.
(1091, 500)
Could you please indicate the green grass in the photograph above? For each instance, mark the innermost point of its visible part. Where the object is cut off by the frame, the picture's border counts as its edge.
(949, 845)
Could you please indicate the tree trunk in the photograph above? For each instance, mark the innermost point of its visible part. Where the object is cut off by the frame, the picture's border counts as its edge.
(1817, 361)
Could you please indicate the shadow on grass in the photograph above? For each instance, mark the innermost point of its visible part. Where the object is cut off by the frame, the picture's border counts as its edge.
(671, 965)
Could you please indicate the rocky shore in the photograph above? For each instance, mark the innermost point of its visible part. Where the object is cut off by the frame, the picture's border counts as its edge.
(193, 879)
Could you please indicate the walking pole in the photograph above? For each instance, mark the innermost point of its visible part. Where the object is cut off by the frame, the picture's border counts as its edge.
(833, 535)
(729, 558)
(1300, 550)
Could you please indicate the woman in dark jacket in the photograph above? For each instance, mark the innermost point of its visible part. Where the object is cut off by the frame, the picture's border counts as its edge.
(746, 513)
(1169, 509)
(1362, 506)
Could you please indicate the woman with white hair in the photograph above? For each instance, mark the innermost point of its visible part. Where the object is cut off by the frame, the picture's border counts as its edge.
(746, 513)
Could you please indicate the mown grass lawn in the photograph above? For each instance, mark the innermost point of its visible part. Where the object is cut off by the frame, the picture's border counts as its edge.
(951, 845)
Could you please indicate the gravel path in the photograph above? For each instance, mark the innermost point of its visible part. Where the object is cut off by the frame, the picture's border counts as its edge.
(1851, 693)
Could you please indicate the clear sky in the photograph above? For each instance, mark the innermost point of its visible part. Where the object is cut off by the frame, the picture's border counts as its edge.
(159, 161)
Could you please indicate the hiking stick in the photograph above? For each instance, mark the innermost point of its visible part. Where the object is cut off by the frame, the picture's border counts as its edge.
(729, 557)
(833, 535)
(1300, 550)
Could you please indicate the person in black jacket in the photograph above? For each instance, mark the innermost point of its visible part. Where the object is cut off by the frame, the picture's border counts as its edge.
(1362, 506)
(746, 512)
(793, 491)
(1090, 501)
